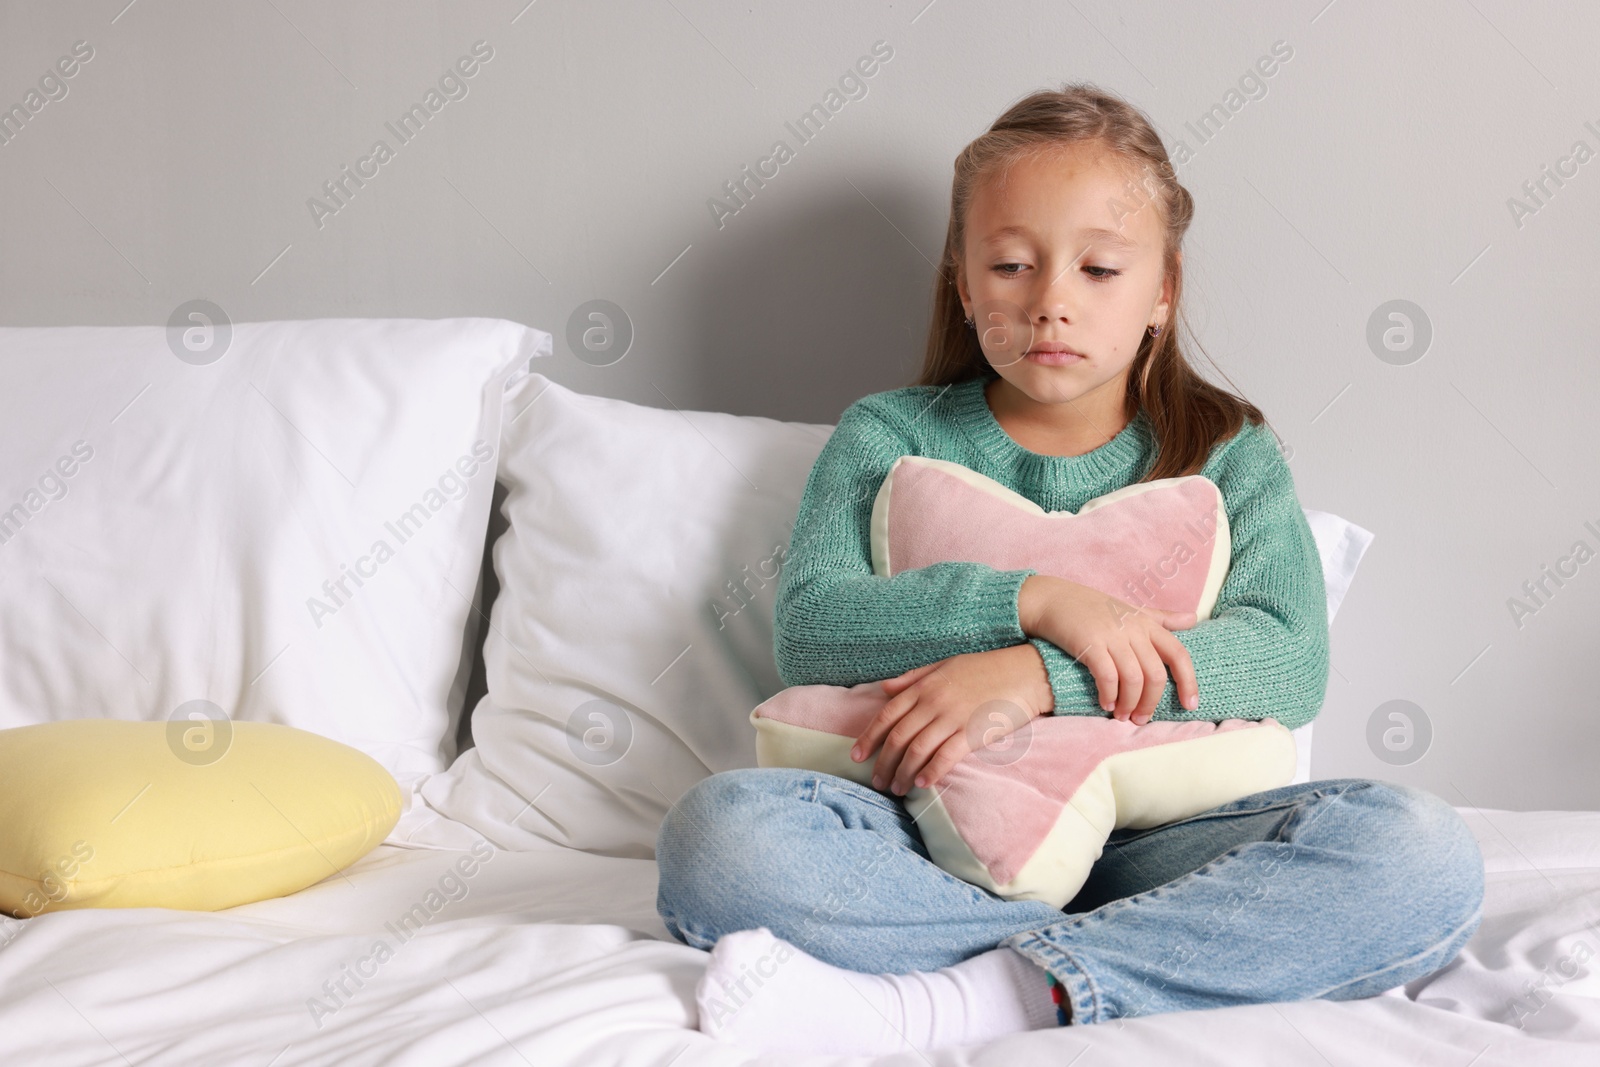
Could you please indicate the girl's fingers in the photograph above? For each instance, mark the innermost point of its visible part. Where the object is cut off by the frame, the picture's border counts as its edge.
(1176, 656)
(880, 725)
(1103, 669)
(952, 752)
(919, 750)
(1130, 682)
(1155, 682)
(899, 682)
(1179, 620)
(894, 747)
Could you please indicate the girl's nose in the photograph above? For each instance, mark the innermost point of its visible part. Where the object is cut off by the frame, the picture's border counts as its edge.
(1053, 304)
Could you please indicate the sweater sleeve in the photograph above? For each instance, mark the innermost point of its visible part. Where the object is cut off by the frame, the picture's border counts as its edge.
(836, 622)
(1264, 651)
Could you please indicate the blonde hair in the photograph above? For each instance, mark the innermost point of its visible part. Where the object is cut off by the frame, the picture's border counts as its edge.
(1188, 414)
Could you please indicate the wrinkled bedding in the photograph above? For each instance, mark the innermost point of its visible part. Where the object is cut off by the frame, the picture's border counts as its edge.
(554, 956)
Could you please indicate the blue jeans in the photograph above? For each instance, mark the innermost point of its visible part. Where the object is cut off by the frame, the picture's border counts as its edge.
(1338, 889)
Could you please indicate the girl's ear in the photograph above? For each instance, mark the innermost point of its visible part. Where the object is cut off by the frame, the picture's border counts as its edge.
(961, 289)
(1168, 285)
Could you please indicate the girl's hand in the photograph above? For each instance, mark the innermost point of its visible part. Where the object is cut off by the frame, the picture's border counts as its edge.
(1127, 649)
(928, 724)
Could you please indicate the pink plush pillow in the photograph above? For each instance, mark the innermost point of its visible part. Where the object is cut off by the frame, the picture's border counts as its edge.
(1027, 816)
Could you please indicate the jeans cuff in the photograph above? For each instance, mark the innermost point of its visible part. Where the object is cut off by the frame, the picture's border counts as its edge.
(1079, 987)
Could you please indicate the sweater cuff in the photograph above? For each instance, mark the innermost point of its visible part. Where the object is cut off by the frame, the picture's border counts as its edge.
(1074, 687)
(999, 616)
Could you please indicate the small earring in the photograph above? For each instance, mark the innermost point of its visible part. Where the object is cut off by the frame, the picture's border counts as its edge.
(970, 323)
(1155, 331)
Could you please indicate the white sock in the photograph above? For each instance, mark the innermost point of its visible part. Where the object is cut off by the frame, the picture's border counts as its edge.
(762, 992)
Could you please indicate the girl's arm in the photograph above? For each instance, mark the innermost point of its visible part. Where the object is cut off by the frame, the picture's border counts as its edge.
(1264, 651)
(838, 623)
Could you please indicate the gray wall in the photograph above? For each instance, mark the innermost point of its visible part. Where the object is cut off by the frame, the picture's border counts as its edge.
(1380, 163)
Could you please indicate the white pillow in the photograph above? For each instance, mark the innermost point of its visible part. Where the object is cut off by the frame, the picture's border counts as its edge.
(1341, 544)
(633, 629)
(621, 667)
(167, 523)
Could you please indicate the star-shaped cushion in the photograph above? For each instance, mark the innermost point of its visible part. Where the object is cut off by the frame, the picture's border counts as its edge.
(1026, 815)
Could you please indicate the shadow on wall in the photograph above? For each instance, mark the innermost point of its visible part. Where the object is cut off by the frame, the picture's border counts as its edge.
(799, 317)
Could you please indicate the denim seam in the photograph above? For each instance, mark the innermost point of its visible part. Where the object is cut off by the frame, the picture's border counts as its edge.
(1207, 816)
(888, 804)
(1111, 907)
(977, 894)
(1474, 918)
(1105, 912)
(896, 807)
(691, 935)
(1298, 817)
(1077, 973)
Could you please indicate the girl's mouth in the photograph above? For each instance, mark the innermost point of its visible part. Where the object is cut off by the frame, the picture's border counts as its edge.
(1053, 358)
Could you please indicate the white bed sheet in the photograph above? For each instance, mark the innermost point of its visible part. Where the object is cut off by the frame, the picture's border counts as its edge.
(556, 957)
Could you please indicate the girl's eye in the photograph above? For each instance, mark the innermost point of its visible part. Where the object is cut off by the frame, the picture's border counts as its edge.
(1104, 273)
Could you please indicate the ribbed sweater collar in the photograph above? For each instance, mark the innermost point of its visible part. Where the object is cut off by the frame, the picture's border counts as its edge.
(1120, 461)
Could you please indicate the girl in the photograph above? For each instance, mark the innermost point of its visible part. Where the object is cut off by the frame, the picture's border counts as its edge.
(1052, 368)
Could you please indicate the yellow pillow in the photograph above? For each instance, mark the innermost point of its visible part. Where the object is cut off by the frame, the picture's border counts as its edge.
(202, 815)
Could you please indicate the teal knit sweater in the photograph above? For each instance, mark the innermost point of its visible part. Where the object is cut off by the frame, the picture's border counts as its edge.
(1263, 652)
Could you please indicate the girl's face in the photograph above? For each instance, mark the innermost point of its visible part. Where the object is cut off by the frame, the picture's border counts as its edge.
(1066, 255)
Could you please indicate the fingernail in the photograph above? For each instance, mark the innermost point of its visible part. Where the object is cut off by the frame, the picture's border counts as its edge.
(921, 782)
(855, 753)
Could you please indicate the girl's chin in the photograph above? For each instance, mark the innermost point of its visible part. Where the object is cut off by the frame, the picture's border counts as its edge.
(1087, 386)
(1043, 386)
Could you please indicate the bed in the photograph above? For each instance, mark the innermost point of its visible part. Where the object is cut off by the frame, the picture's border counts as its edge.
(556, 956)
(584, 657)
